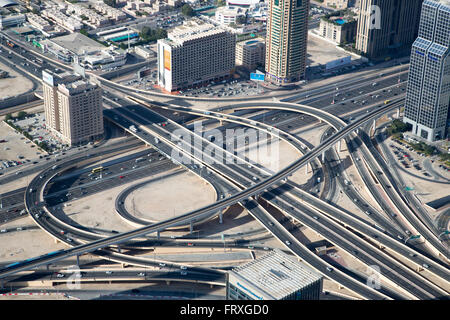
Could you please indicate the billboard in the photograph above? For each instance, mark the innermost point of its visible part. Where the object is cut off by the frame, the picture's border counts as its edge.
(47, 78)
(338, 63)
(256, 77)
(167, 59)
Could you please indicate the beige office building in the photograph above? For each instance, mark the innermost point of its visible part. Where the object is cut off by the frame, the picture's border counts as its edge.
(286, 40)
(387, 25)
(250, 53)
(73, 107)
(194, 54)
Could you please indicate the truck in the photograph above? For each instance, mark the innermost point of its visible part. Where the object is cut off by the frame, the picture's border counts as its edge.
(346, 182)
(133, 128)
(156, 140)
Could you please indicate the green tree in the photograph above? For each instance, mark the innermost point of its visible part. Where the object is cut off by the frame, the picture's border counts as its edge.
(84, 32)
(187, 10)
(112, 3)
(21, 115)
(8, 117)
(241, 19)
(219, 3)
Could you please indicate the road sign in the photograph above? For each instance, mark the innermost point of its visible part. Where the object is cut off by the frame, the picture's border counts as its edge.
(256, 77)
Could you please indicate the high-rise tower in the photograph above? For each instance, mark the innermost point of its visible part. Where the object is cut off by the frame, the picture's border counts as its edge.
(386, 24)
(286, 40)
(428, 92)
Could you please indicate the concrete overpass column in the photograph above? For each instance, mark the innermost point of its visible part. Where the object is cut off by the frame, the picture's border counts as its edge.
(374, 124)
(398, 113)
(357, 130)
(78, 260)
(306, 168)
(323, 157)
(339, 145)
(158, 234)
(220, 217)
(191, 227)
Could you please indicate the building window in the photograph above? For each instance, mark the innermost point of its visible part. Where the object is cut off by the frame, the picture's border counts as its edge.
(299, 3)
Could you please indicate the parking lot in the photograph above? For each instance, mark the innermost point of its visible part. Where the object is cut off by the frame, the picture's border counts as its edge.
(410, 159)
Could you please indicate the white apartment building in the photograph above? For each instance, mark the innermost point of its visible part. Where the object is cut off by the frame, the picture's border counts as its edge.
(39, 23)
(61, 19)
(229, 14)
(251, 53)
(194, 54)
(73, 107)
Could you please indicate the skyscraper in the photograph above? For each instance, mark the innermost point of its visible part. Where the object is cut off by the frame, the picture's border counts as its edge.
(73, 107)
(286, 40)
(428, 92)
(386, 24)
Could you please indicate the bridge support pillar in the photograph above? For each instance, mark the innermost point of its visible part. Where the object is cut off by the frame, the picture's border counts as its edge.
(191, 227)
(357, 131)
(374, 124)
(158, 234)
(306, 168)
(211, 285)
(323, 157)
(220, 217)
(398, 113)
(118, 249)
(168, 283)
(339, 145)
(47, 266)
(78, 260)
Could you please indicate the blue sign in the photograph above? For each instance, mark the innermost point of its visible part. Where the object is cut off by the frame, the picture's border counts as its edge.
(256, 77)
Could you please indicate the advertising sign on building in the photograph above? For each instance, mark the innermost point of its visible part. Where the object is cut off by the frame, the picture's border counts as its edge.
(47, 78)
(167, 60)
(256, 77)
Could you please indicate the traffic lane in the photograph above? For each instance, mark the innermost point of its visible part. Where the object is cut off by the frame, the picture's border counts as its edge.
(361, 251)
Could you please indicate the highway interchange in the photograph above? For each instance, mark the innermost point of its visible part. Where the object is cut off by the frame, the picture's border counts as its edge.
(238, 184)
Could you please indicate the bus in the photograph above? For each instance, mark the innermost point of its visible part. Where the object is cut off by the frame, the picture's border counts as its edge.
(98, 169)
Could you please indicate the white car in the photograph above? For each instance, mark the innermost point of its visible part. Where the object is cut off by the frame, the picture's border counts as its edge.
(60, 275)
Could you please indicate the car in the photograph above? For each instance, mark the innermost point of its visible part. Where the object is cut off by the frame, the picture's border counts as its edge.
(60, 275)
(161, 264)
(141, 274)
(121, 177)
(108, 272)
(190, 244)
(368, 213)
(3, 230)
(329, 269)
(315, 217)
(183, 273)
(288, 242)
(183, 267)
(425, 266)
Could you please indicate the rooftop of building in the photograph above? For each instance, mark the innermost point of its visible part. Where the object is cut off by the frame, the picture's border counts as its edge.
(252, 42)
(78, 43)
(77, 86)
(340, 17)
(191, 31)
(277, 274)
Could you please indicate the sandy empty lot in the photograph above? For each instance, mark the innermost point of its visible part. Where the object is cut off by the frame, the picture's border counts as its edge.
(163, 199)
(15, 84)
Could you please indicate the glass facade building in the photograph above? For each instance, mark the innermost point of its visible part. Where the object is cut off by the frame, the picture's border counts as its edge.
(428, 92)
